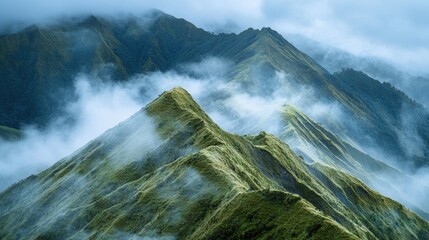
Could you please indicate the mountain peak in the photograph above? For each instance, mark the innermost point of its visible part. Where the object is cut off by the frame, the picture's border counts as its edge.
(178, 91)
(194, 181)
(176, 111)
(290, 108)
(267, 31)
(174, 100)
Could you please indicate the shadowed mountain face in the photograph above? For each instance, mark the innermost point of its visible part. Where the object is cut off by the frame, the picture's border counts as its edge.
(38, 66)
(401, 124)
(334, 60)
(169, 172)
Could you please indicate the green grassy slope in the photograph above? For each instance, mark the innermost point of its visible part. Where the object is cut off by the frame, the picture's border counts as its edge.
(344, 186)
(317, 144)
(374, 114)
(272, 215)
(38, 64)
(170, 172)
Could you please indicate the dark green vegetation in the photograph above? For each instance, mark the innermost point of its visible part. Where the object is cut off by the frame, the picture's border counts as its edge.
(9, 134)
(334, 60)
(170, 172)
(38, 65)
(401, 123)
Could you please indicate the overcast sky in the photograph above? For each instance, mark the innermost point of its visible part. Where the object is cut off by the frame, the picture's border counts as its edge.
(396, 30)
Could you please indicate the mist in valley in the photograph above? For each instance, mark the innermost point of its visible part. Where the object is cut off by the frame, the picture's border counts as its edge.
(102, 104)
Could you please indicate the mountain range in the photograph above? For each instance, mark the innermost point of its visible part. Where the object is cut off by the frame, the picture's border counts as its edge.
(170, 171)
(334, 60)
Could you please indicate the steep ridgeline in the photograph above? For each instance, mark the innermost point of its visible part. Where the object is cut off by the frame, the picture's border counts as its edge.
(396, 124)
(373, 115)
(334, 60)
(170, 172)
(317, 144)
(39, 63)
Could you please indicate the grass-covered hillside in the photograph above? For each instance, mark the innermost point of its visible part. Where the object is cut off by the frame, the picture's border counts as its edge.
(317, 144)
(38, 66)
(170, 172)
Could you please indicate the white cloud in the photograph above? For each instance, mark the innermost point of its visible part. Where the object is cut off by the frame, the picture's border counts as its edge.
(101, 105)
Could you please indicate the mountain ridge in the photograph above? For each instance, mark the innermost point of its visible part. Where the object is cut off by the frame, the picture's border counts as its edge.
(174, 163)
(319, 145)
(124, 183)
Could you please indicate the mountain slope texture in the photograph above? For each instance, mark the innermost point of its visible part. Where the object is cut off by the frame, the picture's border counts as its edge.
(170, 172)
(317, 144)
(38, 66)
